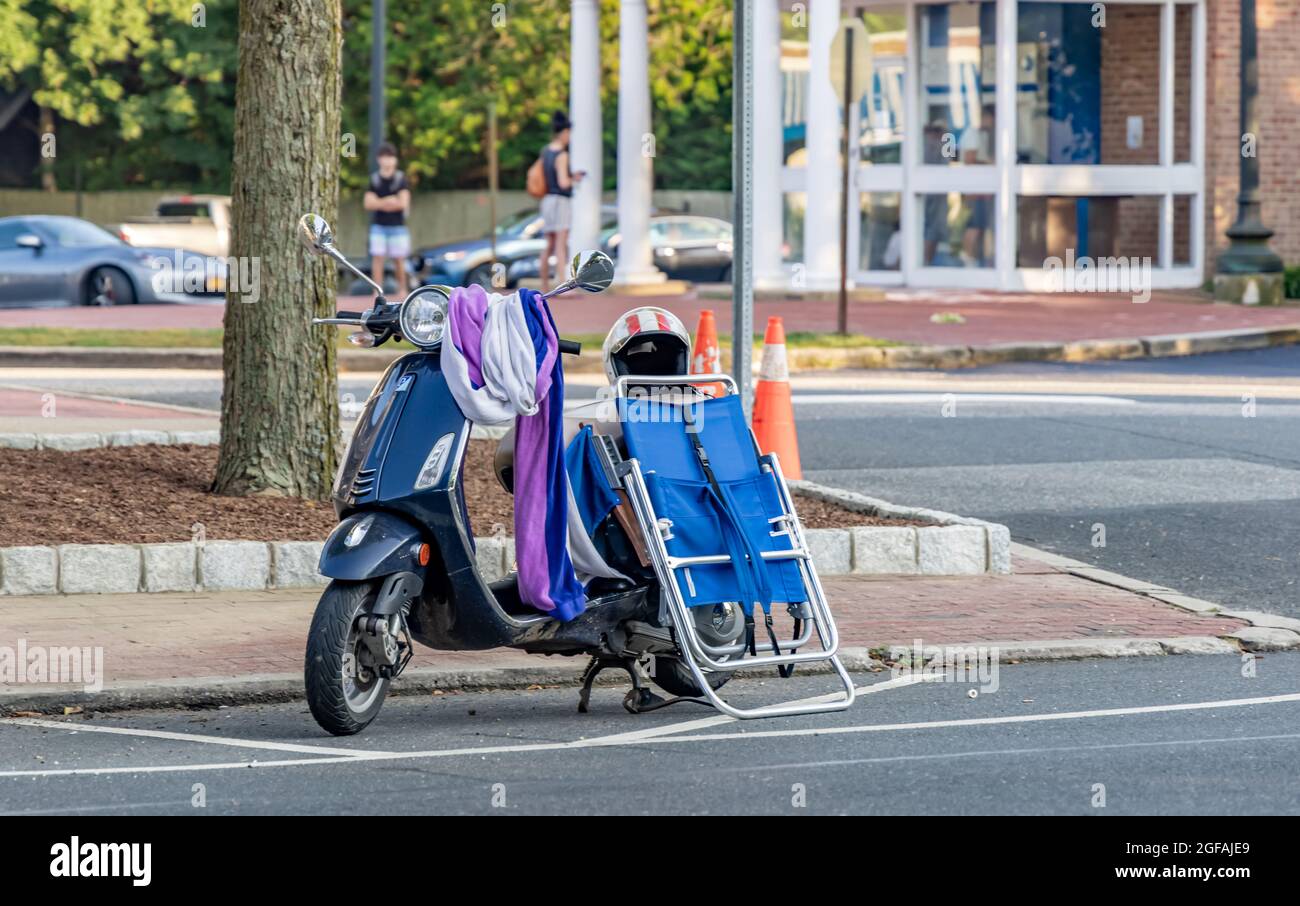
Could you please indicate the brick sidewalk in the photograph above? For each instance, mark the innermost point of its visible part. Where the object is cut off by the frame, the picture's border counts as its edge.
(903, 315)
(173, 637)
(36, 412)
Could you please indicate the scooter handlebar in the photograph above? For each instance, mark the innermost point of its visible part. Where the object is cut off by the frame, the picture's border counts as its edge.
(570, 347)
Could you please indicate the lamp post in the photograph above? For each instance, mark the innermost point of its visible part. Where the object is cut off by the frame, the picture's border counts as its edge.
(1249, 271)
(742, 191)
(378, 45)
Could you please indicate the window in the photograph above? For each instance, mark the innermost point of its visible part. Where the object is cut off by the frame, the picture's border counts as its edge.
(1088, 92)
(958, 230)
(1071, 228)
(68, 231)
(880, 244)
(794, 88)
(198, 209)
(1182, 233)
(882, 111)
(697, 229)
(11, 230)
(794, 205)
(958, 77)
(1184, 26)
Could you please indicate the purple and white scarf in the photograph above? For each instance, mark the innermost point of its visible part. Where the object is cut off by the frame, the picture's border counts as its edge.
(501, 361)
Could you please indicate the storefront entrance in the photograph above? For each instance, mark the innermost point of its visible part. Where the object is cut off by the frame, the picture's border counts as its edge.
(1001, 144)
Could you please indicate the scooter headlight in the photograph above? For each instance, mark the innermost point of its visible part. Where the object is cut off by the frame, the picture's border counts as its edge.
(424, 317)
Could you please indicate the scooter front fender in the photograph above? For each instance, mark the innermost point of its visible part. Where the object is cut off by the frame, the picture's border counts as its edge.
(371, 544)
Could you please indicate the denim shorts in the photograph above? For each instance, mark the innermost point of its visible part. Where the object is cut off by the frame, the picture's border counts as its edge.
(389, 241)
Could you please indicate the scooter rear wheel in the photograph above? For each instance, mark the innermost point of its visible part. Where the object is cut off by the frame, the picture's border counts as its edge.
(344, 695)
(675, 678)
(718, 625)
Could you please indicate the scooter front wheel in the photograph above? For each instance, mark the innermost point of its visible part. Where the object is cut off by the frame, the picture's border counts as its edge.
(343, 691)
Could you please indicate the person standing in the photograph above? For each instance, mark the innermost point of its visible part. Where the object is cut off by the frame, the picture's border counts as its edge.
(388, 198)
(556, 204)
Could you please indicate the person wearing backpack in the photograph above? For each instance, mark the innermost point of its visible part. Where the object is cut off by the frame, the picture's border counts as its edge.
(551, 180)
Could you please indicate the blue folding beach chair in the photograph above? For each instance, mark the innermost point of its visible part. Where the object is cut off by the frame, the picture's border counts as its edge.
(720, 528)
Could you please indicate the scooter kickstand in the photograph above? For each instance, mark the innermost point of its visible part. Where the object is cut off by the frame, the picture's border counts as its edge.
(594, 667)
(639, 698)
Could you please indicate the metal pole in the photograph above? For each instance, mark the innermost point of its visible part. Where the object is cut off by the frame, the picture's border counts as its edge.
(378, 46)
(493, 179)
(742, 188)
(843, 318)
(1248, 251)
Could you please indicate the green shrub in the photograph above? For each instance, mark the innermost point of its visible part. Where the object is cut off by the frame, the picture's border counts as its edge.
(1291, 281)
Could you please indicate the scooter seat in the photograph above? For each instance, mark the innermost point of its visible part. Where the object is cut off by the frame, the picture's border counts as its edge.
(602, 415)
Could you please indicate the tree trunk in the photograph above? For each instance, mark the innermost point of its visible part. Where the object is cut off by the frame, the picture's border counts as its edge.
(279, 408)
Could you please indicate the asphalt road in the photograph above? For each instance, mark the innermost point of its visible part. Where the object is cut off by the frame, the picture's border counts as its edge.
(1176, 735)
(1197, 491)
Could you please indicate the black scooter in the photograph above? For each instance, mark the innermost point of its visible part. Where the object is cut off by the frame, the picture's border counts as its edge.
(402, 557)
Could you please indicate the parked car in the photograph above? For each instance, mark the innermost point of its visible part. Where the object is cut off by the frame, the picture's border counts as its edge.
(197, 223)
(47, 260)
(351, 285)
(685, 247)
(518, 239)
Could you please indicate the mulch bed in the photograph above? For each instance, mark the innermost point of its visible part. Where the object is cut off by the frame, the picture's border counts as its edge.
(131, 495)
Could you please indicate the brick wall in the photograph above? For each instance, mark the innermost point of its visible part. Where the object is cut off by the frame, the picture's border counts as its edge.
(1278, 23)
(1130, 83)
(1130, 86)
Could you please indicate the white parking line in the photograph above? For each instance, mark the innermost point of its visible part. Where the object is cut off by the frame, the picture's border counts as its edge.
(1036, 750)
(623, 740)
(704, 723)
(993, 721)
(188, 737)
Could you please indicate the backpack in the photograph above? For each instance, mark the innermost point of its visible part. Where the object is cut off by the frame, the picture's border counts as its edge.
(536, 182)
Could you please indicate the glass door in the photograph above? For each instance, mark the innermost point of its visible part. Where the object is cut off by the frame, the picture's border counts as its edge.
(876, 130)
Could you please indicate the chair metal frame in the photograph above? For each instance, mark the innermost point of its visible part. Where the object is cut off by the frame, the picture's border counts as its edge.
(698, 655)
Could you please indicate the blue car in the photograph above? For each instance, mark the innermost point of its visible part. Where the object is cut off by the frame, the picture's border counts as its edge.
(518, 239)
(50, 260)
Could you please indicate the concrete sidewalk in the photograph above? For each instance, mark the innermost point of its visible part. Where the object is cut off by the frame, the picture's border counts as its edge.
(188, 649)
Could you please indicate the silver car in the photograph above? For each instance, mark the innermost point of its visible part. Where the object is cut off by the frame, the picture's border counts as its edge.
(49, 260)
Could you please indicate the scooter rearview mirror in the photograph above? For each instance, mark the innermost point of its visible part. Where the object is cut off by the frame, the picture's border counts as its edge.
(315, 233)
(591, 271)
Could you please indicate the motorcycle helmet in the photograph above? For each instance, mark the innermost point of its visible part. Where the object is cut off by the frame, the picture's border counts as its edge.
(647, 340)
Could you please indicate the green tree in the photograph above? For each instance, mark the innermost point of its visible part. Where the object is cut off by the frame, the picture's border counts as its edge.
(141, 93)
(448, 59)
(690, 87)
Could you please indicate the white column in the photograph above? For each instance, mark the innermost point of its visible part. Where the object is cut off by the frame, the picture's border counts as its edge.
(635, 149)
(1005, 224)
(822, 227)
(584, 110)
(768, 137)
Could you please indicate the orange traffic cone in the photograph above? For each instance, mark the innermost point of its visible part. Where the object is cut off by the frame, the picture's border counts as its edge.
(773, 407)
(707, 358)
